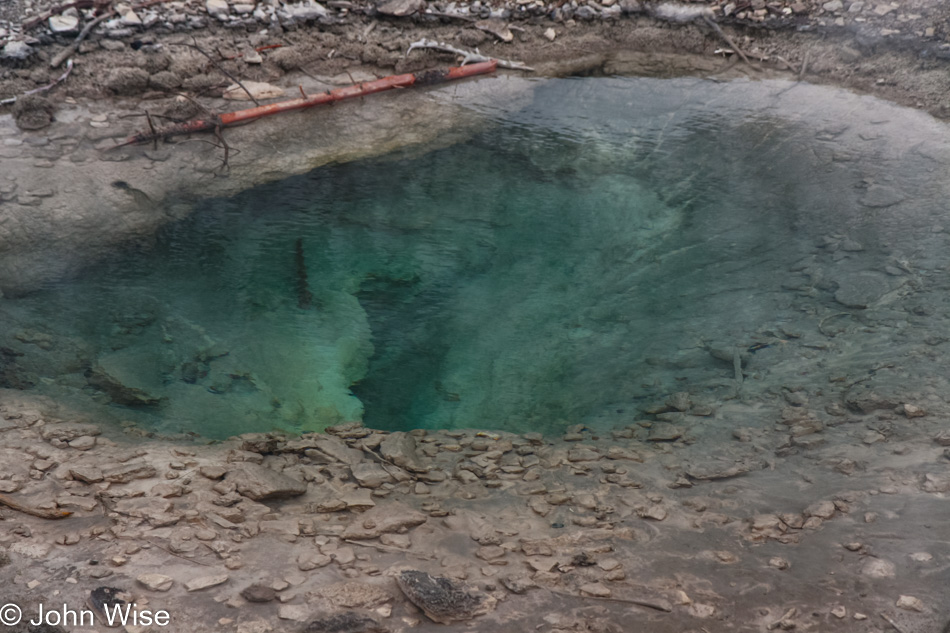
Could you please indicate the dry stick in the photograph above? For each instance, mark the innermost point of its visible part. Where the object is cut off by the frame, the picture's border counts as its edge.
(891, 621)
(58, 80)
(384, 548)
(37, 512)
(72, 48)
(828, 318)
(727, 39)
(651, 604)
(467, 56)
(218, 66)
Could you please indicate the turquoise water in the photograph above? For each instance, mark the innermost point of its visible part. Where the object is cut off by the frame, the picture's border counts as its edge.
(575, 261)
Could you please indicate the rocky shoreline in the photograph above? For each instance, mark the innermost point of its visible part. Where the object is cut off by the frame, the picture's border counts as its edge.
(584, 531)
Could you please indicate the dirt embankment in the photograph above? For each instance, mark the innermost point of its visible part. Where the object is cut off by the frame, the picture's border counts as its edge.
(150, 51)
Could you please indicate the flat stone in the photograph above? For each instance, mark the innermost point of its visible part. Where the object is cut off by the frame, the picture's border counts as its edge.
(205, 582)
(311, 560)
(64, 23)
(360, 498)
(124, 473)
(30, 550)
(860, 290)
(583, 454)
(307, 11)
(879, 568)
(386, 518)
(287, 527)
(910, 603)
(217, 7)
(664, 433)
(16, 50)
(68, 431)
(401, 8)
(92, 474)
(260, 483)
(294, 612)
(370, 475)
(213, 472)
(87, 504)
(595, 589)
(354, 595)
(401, 449)
(155, 582)
(83, 443)
(879, 196)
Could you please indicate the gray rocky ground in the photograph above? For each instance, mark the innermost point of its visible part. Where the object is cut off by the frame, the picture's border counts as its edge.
(641, 528)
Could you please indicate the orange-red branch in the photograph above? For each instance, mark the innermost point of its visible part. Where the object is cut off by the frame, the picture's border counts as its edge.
(358, 90)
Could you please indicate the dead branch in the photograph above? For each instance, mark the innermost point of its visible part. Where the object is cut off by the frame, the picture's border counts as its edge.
(72, 48)
(467, 56)
(58, 80)
(659, 605)
(230, 119)
(37, 512)
(728, 40)
(195, 46)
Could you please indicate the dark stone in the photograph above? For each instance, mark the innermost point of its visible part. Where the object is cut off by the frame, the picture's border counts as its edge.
(119, 393)
(344, 623)
(440, 598)
(259, 593)
(164, 80)
(126, 81)
(33, 112)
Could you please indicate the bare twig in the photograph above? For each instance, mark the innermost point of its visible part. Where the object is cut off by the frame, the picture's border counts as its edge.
(828, 318)
(659, 605)
(728, 40)
(467, 56)
(37, 512)
(226, 73)
(801, 73)
(58, 80)
(72, 48)
(891, 621)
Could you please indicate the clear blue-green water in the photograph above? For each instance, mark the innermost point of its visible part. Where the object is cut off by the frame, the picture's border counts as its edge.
(572, 262)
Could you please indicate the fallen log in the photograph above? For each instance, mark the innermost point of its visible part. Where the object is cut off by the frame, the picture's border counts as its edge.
(362, 89)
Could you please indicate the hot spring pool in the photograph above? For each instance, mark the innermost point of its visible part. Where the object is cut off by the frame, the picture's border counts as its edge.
(616, 241)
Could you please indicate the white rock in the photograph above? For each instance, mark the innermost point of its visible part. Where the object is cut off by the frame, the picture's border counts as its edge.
(155, 582)
(308, 11)
(295, 612)
(197, 584)
(878, 568)
(63, 24)
(217, 7)
(130, 18)
(910, 603)
(258, 89)
(550, 34)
